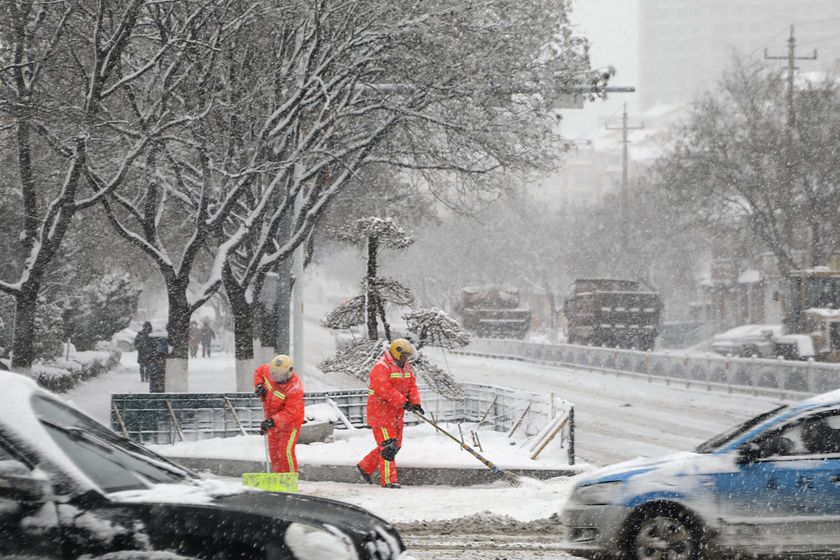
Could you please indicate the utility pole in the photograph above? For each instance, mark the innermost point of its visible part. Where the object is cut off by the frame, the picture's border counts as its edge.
(791, 63)
(785, 199)
(625, 199)
(624, 156)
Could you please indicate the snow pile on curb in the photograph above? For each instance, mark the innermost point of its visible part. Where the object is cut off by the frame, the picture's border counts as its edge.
(422, 447)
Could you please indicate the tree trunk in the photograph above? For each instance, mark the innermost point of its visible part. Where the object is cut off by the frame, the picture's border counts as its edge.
(282, 342)
(23, 349)
(370, 291)
(818, 248)
(384, 320)
(243, 332)
(177, 331)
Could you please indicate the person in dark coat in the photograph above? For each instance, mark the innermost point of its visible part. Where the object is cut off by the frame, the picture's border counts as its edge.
(207, 335)
(195, 338)
(141, 344)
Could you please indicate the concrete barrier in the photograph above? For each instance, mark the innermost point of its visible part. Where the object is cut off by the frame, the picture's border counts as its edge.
(783, 378)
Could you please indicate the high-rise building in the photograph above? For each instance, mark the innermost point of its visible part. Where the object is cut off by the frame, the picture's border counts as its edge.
(685, 46)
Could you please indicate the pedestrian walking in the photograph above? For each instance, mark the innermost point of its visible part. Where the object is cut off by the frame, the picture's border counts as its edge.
(141, 344)
(392, 391)
(195, 337)
(281, 392)
(206, 335)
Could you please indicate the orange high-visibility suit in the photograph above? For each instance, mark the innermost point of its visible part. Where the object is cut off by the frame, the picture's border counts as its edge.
(283, 403)
(390, 388)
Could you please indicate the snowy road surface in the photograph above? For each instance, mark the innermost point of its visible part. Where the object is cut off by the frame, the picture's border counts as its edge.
(617, 417)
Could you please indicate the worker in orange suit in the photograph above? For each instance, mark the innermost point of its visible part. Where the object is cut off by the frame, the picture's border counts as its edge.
(281, 391)
(392, 391)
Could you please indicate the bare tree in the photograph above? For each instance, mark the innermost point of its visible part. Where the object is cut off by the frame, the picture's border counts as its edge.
(59, 96)
(196, 171)
(437, 90)
(748, 156)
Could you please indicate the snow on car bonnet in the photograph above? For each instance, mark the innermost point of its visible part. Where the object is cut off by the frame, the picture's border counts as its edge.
(665, 471)
(200, 491)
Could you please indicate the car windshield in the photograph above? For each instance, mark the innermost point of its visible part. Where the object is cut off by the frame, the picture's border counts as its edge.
(725, 437)
(111, 462)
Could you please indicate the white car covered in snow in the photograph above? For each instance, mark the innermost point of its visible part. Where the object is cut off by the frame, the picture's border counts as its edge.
(768, 487)
(763, 341)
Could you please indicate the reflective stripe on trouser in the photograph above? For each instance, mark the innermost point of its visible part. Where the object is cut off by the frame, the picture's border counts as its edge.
(281, 450)
(373, 460)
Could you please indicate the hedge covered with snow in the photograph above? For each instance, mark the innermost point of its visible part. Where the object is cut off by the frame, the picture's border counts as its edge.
(62, 374)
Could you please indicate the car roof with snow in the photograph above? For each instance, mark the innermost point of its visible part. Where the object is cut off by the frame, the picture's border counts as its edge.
(823, 399)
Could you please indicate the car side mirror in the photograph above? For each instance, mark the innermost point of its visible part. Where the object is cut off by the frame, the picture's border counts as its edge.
(20, 483)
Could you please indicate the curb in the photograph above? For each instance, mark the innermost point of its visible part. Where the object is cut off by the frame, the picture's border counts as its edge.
(409, 476)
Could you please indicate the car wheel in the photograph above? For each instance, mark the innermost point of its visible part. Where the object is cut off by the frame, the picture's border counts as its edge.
(125, 346)
(664, 535)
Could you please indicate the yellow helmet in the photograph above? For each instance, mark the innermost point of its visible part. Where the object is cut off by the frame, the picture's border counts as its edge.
(401, 349)
(280, 368)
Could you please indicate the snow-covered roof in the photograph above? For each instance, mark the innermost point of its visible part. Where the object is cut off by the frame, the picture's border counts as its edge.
(824, 312)
(749, 276)
(742, 331)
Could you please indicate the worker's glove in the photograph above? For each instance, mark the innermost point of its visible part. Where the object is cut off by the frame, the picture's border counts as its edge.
(413, 407)
(266, 425)
(389, 449)
(261, 391)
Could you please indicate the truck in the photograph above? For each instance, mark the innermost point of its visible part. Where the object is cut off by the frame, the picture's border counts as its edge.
(612, 312)
(493, 311)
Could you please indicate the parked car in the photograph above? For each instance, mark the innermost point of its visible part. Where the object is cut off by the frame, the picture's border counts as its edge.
(763, 341)
(767, 487)
(124, 339)
(69, 488)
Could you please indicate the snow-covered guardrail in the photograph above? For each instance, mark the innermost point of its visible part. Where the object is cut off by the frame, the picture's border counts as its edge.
(761, 376)
(162, 418)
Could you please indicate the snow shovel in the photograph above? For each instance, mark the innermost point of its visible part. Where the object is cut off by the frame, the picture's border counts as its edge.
(510, 477)
(269, 480)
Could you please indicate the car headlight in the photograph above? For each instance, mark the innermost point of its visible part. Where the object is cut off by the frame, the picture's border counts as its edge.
(597, 494)
(318, 543)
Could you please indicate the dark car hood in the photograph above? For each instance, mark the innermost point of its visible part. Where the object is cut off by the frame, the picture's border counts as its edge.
(302, 508)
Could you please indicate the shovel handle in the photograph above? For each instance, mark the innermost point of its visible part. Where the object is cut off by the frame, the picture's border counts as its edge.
(489, 464)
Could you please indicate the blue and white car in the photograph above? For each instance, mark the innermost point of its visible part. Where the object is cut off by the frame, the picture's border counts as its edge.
(767, 487)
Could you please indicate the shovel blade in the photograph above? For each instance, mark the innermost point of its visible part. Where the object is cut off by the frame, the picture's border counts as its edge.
(272, 482)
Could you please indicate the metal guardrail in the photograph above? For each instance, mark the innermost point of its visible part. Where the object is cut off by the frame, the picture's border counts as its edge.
(160, 418)
(760, 376)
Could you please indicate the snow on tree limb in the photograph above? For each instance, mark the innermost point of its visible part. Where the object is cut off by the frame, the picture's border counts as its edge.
(433, 327)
